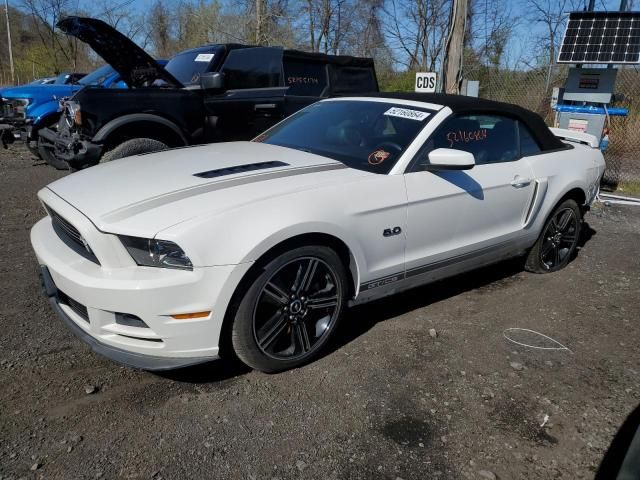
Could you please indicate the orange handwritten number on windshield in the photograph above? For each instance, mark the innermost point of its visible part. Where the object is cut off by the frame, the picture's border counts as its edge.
(466, 136)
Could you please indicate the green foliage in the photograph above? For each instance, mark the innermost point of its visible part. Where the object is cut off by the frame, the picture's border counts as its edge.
(397, 81)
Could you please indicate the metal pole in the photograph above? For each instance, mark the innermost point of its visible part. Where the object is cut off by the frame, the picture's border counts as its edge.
(623, 5)
(6, 12)
(592, 5)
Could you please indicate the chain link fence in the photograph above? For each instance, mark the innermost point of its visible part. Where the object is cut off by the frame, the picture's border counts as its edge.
(533, 90)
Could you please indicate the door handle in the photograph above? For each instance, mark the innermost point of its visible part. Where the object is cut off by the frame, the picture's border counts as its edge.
(264, 106)
(519, 182)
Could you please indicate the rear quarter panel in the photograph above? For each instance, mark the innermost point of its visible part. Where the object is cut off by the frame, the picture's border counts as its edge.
(579, 167)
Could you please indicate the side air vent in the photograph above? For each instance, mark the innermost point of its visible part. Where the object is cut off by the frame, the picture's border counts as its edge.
(249, 167)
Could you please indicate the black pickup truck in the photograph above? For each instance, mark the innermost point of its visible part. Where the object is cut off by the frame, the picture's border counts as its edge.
(216, 93)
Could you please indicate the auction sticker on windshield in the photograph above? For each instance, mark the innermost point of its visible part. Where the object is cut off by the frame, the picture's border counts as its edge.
(406, 113)
(203, 57)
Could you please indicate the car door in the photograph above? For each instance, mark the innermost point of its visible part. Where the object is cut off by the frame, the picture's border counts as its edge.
(456, 214)
(254, 96)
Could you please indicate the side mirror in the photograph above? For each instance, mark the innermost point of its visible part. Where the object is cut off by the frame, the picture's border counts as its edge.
(450, 159)
(211, 81)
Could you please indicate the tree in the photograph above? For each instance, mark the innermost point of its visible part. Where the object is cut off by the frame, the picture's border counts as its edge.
(552, 15)
(452, 68)
(416, 30)
(160, 29)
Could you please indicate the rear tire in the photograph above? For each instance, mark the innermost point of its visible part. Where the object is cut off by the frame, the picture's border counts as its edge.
(290, 309)
(135, 146)
(558, 240)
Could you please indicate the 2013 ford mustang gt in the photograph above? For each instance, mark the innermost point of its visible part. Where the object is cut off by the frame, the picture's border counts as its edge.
(164, 260)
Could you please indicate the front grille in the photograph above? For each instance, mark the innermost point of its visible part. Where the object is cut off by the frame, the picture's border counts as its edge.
(71, 236)
(13, 109)
(77, 307)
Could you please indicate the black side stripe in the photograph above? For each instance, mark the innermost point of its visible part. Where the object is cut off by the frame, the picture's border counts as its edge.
(381, 282)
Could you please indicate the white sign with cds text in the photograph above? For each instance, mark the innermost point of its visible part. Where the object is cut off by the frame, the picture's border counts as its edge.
(426, 82)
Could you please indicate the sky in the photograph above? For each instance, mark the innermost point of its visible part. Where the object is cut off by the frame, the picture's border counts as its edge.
(519, 45)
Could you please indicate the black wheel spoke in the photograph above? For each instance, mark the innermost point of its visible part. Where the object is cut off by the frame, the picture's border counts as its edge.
(546, 248)
(302, 337)
(276, 293)
(556, 256)
(322, 302)
(272, 329)
(308, 275)
(563, 221)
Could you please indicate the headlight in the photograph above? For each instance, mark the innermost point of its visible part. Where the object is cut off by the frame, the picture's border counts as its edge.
(74, 114)
(15, 106)
(150, 252)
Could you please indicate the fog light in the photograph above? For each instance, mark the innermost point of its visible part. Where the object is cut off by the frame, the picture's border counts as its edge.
(130, 320)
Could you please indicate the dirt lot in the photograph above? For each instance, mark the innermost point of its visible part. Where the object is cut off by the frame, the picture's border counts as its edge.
(388, 401)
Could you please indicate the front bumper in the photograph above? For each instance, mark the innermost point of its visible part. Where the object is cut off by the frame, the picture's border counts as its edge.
(77, 152)
(119, 355)
(111, 284)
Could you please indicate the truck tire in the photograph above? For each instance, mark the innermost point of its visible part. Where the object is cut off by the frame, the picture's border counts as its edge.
(135, 146)
(48, 156)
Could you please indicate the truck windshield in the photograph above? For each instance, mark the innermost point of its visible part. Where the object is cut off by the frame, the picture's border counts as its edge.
(97, 77)
(187, 67)
(362, 134)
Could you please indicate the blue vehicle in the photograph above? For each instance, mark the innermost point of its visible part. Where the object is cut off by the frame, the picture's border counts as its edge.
(29, 108)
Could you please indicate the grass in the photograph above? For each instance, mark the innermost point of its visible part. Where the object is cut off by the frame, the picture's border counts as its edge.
(629, 188)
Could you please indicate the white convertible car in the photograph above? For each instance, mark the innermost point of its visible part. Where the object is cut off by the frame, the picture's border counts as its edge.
(165, 260)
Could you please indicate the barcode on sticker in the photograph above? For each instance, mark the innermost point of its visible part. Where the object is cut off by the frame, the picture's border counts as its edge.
(203, 57)
(407, 113)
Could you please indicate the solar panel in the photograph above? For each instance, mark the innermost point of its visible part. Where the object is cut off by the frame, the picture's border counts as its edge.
(601, 37)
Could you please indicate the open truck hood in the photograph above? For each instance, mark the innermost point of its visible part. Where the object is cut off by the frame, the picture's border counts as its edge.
(136, 67)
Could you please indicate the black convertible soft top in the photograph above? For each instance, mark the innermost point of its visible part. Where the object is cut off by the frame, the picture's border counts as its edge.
(464, 104)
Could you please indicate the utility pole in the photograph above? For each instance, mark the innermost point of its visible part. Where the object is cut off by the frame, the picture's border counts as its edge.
(454, 49)
(6, 13)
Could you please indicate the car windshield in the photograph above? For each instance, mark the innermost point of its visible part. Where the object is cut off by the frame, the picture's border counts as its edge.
(97, 77)
(367, 135)
(187, 67)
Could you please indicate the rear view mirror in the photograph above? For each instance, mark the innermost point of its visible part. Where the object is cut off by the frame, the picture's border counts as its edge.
(212, 81)
(450, 159)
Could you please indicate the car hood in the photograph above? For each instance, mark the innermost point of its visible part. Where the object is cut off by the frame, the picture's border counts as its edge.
(136, 67)
(40, 91)
(145, 194)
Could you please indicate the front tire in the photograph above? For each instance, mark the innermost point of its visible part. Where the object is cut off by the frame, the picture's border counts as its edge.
(558, 241)
(135, 146)
(47, 154)
(290, 310)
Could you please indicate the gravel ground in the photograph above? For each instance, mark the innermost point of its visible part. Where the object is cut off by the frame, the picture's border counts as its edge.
(389, 400)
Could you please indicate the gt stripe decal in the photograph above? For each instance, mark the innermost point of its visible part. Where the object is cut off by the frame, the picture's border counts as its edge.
(381, 282)
(160, 200)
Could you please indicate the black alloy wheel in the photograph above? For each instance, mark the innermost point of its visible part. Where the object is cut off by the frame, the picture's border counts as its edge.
(296, 308)
(560, 238)
(558, 241)
(290, 311)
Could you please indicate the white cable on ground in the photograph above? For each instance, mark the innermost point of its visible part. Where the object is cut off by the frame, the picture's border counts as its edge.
(560, 346)
(618, 199)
